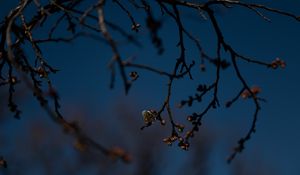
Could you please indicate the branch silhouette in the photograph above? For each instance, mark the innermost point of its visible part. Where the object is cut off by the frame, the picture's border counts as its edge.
(18, 31)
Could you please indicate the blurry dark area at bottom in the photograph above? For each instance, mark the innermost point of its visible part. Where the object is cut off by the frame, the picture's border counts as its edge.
(36, 145)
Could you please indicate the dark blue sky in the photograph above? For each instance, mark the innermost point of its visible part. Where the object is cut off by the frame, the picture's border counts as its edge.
(84, 80)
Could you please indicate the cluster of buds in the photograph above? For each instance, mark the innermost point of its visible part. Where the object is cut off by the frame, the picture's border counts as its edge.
(277, 63)
(222, 63)
(184, 145)
(171, 139)
(133, 75)
(202, 89)
(135, 27)
(42, 72)
(13, 80)
(181, 142)
(190, 101)
(193, 119)
(117, 152)
(149, 116)
(246, 94)
(179, 127)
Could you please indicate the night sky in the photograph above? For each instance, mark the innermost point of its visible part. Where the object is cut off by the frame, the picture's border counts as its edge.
(83, 85)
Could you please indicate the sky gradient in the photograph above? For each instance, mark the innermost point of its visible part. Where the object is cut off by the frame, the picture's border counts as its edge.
(83, 84)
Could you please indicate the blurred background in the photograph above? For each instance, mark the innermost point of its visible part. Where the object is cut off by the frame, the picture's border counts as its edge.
(36, 145)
